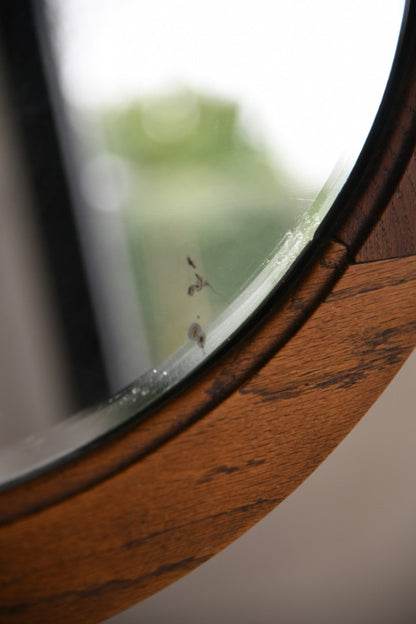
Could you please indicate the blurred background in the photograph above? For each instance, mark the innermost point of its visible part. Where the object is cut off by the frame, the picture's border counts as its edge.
(341, 548)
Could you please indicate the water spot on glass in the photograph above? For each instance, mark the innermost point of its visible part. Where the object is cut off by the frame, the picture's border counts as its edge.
(200, 282)
(197, 334)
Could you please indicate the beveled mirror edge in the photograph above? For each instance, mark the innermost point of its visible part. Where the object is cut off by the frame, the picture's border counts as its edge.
(38, 452)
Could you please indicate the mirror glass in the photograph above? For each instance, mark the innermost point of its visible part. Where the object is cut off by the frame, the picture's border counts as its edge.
(203, 144)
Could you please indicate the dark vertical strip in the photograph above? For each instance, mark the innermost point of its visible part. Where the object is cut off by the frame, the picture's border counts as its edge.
(31, 88)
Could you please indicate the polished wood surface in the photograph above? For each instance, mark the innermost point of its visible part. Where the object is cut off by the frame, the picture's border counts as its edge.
(130, 535)
(97, 533)
(277, 324)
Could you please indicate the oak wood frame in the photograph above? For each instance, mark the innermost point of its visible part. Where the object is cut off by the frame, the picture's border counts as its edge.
(147, 504)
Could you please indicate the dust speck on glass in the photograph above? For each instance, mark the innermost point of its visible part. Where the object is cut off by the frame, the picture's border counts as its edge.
(211, 139)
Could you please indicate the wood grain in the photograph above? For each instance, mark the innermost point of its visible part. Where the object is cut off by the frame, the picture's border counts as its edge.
(162, 516)
(141, 436)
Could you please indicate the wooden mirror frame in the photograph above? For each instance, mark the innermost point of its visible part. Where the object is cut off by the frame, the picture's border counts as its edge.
(141, 507)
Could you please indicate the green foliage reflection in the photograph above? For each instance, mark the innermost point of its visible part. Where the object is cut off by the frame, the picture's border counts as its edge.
(200, 186)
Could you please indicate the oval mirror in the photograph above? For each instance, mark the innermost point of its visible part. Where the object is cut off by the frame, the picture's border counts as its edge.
(165, 168)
